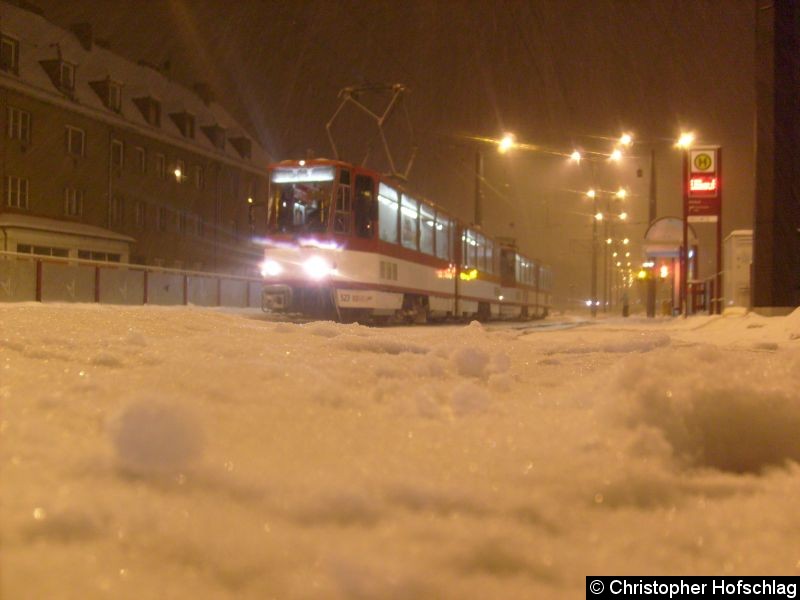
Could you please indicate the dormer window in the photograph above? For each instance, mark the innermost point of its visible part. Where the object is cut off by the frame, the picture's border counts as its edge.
(243, 146)
(61, 73)
(66, 76)
(114, 96)
(9, 54)
(110, 92)
(215, 135)
(150, 109)
(184, 121)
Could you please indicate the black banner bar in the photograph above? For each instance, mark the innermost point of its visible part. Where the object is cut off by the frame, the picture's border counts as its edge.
(686, 588)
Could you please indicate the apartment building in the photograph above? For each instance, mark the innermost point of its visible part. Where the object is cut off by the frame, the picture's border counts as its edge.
(108, 159)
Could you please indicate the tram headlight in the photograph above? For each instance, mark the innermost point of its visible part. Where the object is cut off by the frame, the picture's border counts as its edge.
(271, 268)
(317, 267)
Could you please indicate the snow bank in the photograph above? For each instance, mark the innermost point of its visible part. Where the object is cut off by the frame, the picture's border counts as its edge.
(180, 452)
(736, 413)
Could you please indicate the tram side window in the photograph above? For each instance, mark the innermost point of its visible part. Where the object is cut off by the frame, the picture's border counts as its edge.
(470, 249)
(364, 203)
(443, 237)
(489, 256)
(427, 228)
(480, 249)
(409, 222)
(341, 222)
(388, 207)
(507, 265)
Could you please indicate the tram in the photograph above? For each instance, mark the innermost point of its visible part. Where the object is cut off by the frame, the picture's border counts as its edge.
(347, 243)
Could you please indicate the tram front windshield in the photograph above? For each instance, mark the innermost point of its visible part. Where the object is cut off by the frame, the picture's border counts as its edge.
(300, 206)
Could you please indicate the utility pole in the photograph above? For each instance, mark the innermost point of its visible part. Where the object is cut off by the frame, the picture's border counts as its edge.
(476, 219)
(594, 258)
(652, 214)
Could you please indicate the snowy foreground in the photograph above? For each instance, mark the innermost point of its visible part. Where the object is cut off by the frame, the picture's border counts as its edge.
(185, 453)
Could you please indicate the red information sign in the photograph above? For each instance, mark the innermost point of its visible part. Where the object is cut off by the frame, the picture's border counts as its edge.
(702, 191)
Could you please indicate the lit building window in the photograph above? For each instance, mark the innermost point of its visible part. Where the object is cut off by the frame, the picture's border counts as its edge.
(180, 171)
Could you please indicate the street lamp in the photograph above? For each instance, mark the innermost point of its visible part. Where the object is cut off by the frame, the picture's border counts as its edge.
(504, 144)
(507, 142)
(685, 140)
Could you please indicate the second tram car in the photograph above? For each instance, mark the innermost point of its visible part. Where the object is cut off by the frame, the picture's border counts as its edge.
(345, 242)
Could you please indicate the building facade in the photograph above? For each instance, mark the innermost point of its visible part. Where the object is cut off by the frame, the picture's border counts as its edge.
(105, 159)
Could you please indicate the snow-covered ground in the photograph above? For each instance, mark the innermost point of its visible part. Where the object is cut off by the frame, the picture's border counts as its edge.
(185, 453)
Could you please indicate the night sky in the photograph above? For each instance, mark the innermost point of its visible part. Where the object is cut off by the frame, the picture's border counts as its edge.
(559, 74)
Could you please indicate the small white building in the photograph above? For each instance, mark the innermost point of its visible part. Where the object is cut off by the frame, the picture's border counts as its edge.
(28, 234)
(738, 258)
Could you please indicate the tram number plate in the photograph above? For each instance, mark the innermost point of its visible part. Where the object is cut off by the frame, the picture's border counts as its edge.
(359, 299)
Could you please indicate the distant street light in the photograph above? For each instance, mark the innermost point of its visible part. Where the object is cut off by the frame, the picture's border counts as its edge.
(621, 193)
(598, 216)
(591, 194)
(616, 155)
(575, 156)
(685, 140)
(506, 143)
(623, 215)
(626, 139)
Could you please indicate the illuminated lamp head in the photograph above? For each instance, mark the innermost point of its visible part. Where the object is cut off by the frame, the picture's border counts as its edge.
(318, 268)
(271, 268)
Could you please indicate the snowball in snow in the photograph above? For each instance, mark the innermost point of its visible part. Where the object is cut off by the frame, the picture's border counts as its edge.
(152, 437)
(471, 362)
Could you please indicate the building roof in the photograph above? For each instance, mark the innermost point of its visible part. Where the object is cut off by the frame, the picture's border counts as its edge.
(19, 221)
(40, 40)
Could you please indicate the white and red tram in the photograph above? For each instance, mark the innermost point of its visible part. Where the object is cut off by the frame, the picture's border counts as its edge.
(346, 242)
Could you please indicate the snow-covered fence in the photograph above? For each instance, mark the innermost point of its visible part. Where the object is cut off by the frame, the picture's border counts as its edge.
(25, 278)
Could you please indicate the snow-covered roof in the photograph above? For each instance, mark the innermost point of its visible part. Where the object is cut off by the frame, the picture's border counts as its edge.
(40, 40)
(20, 221)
